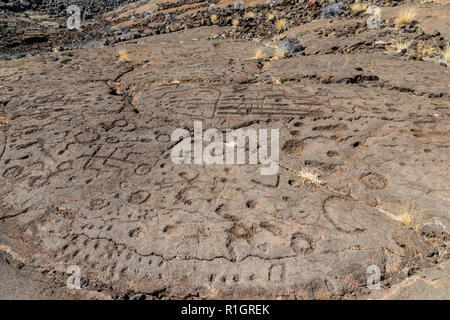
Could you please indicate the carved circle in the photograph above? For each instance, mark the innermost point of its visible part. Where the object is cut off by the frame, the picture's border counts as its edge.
(374, 181)
(301, 244)
(143, 169)
(86, 137)
(139, 197)
(293, 147)
(97, 203)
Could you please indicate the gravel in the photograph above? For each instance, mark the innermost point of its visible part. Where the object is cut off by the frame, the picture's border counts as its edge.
(332, 11)
(89, 8)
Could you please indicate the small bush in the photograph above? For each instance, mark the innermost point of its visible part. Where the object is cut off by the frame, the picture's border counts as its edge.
(358, 7)
(123, 56)
(281, 24)
(276, 80)
(405, 16)
(425, 50)
(280, 54)
(410, 217)
(259, 54)
(250, 15)
(400, 47)
(270, 16)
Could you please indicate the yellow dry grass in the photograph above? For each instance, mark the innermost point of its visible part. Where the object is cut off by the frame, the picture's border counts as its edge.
(276, 80)
(235, 22)
(281, 24)
(427, 50)
(259, 54)
(358, 7)
(249, 15)
(446, 54)
(311, 176)
(270, 16)
(308, 175)
(214, 18)
(405, 16)
(410, 217)
(123, 56)
(399, 46)
(280, 54)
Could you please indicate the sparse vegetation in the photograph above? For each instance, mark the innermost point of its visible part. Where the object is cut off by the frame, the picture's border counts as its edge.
(281, 24)
(410, 217)
(123, 56)
(446, 55)
(405, 16)
(280, 54)
(399, 47)
(309, 175)
(259, 54)
(250, 15)
(155, 153)
(358, 7)
(426, 50)
(276, 80)
(270, 16)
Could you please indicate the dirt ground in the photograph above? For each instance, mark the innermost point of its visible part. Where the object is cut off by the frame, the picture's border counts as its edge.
(87, 179)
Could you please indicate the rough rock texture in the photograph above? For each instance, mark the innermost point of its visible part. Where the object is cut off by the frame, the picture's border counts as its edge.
(428, 284)
(87, 177)
(20, 282)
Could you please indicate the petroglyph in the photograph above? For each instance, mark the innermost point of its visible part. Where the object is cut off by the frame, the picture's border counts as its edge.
(87, 177)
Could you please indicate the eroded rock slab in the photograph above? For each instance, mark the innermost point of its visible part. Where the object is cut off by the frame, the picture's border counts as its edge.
(87, 177)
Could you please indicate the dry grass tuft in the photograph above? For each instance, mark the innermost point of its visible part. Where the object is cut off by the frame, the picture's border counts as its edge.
(410, 217)
(214, 18)
(281, 24)
(123, 56)
(276, 80)
(426, 50)
(309, 175)
(405, 16)
(280, 54)
(270, 16)
(249, 15)
(235, 22)
(399, 47)
(446, 54)
(358, 7)
(259, 54)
